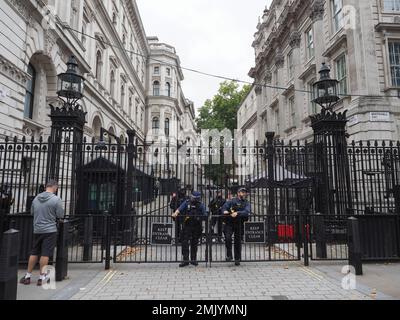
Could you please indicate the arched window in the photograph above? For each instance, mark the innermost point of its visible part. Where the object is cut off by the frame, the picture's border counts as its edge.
(168, 89)
(122, 96)
(99, 64)
(130, 107)
(30, 93)
(114, 19)
(167, 127)
(112, 83)
(156, 88)
(155, 123)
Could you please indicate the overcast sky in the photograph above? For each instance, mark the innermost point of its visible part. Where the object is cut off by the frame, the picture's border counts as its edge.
(214, 36)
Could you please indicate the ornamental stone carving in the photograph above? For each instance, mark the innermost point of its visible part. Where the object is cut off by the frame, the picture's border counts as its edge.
(295, 40)
(317, 10)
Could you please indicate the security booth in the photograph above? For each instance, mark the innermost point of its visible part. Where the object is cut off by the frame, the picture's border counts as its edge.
(101, 187)
(291, 194)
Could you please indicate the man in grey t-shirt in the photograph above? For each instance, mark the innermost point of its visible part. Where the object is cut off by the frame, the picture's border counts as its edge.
(46, 209)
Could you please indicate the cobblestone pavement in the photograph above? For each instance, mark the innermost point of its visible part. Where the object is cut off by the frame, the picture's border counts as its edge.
(258, 281)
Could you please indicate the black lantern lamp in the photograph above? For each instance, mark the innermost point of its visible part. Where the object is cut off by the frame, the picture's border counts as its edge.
(325, 91)
(70, 84)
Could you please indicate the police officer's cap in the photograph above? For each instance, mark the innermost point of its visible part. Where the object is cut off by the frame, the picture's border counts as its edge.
(243, 190)
(196, 195)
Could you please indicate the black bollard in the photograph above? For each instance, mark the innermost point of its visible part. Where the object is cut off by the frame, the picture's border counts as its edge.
(354, 244)
(62, 251)
(320, 236)
(9, 265)
(88, 238)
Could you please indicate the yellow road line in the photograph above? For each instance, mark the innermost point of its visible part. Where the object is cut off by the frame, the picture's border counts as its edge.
(110, 277)
(312, 274)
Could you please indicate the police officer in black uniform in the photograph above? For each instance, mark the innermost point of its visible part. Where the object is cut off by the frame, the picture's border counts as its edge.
(192, 212)
(216, 211)
(235, 212)
(176, 201)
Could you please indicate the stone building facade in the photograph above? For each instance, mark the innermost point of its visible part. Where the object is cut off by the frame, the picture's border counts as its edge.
(359, 40)
(114, 55)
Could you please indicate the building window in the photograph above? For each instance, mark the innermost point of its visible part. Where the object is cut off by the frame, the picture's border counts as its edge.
(168, 72)
(74, 14)
(114, 19)
(276, 120)
(337, 14)
(156, 70)
(122, 96)
(394, 56)
(83, 36)
(30, 93)
(124, 40)
(313, 105)
(276, 82)
(290, 65)
(310, 44)
(130, 107)
(112, 83)
(391, 5)
(136, 109)
(167, 127)
(168, 89)
(292, 112)
(99, 64)
(155, 123)
(341, 74)
(156, 88)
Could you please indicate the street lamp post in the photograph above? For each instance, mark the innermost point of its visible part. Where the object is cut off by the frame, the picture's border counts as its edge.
(70, 84)
(325, 91)
(68, 120)
(332, 170)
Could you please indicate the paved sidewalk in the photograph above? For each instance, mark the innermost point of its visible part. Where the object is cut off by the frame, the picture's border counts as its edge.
(260, 281)
(79, 275)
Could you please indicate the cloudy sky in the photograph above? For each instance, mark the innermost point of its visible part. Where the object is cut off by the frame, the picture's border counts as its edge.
(213, 36)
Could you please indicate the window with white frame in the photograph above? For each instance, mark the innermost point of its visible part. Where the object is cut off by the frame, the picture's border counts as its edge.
(112, 83)
(391, 5)
(83, 35)
(157, 70)
(341, 74)
(276, 120)
(156, 88)
(276, 81)
(394, 58)
(337, 14)
(290, 65)
(168, 72)
(155, 123)
(292, 112)
(122, 99)
(30, 93)
(310, 43)
(313, 105)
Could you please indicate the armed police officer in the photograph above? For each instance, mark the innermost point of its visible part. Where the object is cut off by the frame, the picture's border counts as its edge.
(235, 212)
(192, 212)
(216, 210)
(177, 200)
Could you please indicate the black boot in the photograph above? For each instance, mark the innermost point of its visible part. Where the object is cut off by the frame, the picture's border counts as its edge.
(183, 264)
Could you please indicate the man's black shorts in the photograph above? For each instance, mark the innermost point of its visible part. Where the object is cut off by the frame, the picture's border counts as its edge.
(44, 244)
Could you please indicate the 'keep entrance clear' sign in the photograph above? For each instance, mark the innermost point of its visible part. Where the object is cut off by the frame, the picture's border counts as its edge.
(254, 232)
(161, 233)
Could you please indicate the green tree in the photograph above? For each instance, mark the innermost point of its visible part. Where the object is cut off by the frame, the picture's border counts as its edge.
(219, 113)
